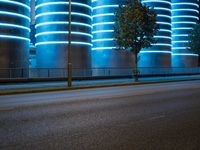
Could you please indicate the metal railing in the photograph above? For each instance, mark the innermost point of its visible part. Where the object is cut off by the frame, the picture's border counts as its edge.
(23, 73)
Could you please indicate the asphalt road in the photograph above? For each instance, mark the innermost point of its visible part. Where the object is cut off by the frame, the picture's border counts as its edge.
(145, 117)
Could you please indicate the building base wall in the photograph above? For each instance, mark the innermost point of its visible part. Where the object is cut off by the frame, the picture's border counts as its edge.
(14, 61)
(112, 62)
(184, 61)
(153, 60)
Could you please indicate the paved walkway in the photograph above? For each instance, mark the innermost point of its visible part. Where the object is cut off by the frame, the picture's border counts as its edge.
(4, 87)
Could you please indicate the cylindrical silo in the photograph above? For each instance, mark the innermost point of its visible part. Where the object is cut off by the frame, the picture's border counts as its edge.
(52, 33)
(184, 17)
(159, 55)
(14, 37)
(104, 54)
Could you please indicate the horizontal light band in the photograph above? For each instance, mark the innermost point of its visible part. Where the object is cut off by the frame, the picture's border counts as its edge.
(161, 8)
(62, 13)
(62, 32)
(15, 14)
(103, 40)
(62, 3)
(102, 31)
(164, 37)
(16, 3)
(103, 15)
(14, 26)
(168, 52)
(103, 48)
(165, 30)
(155, 1)
(180, 41)
(65, 23)
(165, 23)
(63, 42)
(186, 22)
(182, 28)
(161, 44)
(179, 35)
(183, 3)
(184, 54)
(175, 48)
(166, 16)
(14, 37)
(105, 6)
(186, 9)
(185, 16)
(103, 23)
(112, 14)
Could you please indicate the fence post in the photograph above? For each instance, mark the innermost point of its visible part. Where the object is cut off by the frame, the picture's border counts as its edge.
(48, 73)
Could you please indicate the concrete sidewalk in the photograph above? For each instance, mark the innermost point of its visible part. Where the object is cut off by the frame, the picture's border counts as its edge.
(16, 88)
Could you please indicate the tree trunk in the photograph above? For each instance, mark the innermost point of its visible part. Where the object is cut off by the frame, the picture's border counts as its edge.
(136, 67)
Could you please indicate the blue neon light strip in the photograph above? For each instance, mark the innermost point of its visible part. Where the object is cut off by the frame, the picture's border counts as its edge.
(102, 15)
(180, 41)
(166, 16)
(185, 16)
(155, 1)
(184, 54)
(15, 15)
(62, 32)
(16, 3)
(103, 23)
(161, 8)
(105, 6)
(62, 3)
(62, 13)
(179, 35)
(165, 30)
(102, 31)
(57, 22)
(14, 37)
(182, 28)
(63, 42)
(112, 14)
(14, 26)
(104, 48)
(183, 3)
(101, 40)
(156, 51)
(175, 48)
(185, 22)
(161, 44)
(165, 23)
(186, 9)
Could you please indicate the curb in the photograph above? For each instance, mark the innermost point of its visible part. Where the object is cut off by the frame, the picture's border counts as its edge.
(61, 88)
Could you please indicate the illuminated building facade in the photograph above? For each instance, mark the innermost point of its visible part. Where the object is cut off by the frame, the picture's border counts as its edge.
(184, 17)
(14, 33)
(159, 55)
(92, 34)
(52, 33)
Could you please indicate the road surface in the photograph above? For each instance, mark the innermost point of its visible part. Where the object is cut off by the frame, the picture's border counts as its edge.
(144, 117)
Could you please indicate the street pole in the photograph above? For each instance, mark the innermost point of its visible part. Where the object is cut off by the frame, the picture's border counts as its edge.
(69, 64)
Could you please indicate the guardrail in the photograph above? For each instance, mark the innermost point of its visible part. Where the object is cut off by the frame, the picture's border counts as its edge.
(23, 73)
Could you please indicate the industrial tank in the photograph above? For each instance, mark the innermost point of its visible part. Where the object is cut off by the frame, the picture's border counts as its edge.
(104, 53)
(159, 55)
(52, 33)
(14, 37)
(184, 17)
